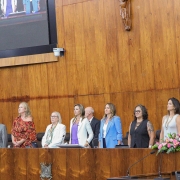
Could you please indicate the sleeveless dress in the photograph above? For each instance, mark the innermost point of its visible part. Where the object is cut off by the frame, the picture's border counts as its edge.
(171, 127)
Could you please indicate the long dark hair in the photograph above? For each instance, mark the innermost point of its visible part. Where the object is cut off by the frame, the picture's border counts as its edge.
(144, 112)
(176, 105)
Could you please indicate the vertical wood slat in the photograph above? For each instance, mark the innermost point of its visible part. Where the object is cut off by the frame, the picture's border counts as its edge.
(90, 164)
(140, 67)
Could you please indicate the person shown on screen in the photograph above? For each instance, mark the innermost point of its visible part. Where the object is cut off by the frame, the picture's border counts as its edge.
(80, 127)
(141, 131)
(8, 6)
(55, 132)
(171, 121)
(95, 124)
(3, 136)
(23, 130)
(31, 6)
(110, 133)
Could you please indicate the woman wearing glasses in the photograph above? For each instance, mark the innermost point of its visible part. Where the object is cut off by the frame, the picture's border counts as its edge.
(141, 131)
(55, 132)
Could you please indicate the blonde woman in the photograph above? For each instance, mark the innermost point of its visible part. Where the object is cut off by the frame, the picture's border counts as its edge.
(110, 133)
(55, 132)
(23, 130)
(80, 127)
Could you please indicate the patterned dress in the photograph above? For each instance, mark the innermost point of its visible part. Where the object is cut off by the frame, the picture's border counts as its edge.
(23, 130)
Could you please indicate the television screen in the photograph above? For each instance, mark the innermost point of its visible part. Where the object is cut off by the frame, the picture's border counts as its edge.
(27, 25)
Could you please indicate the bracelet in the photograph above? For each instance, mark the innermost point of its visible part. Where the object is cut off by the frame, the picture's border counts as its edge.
(150, 146)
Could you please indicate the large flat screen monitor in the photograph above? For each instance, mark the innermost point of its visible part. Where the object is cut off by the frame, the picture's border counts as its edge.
(27, 27)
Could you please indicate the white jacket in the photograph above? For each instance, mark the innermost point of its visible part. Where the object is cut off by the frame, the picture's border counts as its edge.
(58, 136)
(84, 128)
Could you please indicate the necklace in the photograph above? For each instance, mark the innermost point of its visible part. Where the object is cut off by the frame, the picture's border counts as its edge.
(137, 124)
(168, 121)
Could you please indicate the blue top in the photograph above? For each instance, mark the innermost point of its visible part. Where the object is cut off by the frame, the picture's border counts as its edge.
(113, 132)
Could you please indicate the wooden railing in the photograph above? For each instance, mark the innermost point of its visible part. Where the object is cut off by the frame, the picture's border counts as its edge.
(81, 164)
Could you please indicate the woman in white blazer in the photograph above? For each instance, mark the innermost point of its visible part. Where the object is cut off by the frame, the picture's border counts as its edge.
(80, 129)
(55, 132)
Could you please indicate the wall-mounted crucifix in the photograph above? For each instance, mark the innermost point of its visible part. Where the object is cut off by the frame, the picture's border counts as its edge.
(125, 12)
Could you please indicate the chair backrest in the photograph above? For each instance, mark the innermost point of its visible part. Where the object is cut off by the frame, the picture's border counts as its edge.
(125, 139)
(39, 138)
(95, 143)
(67, 138)
(158, 132)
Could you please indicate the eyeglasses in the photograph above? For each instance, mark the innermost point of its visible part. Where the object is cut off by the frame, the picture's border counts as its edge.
(137, 111)
(53, 116)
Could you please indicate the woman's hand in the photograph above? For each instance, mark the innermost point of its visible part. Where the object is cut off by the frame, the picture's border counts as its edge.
(20, 142)
(45, 146)
(86, 144)
(15, 143)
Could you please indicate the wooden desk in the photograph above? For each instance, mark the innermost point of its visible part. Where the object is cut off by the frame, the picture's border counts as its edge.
(81, 164)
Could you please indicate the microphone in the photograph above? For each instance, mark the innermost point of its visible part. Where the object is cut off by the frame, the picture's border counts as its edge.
(159, 172)
(128, 174)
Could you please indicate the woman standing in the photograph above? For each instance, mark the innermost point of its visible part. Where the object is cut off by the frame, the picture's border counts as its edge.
(80, 128)
(23, 130)
(171, 121)
(55, 132)
(110, 133)
(141, 131)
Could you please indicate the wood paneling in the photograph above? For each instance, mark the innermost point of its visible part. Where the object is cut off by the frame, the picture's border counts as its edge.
(102, 63)
(80, 164)
(24, 60)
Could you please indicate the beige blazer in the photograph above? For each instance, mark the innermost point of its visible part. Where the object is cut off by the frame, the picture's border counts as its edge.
(58, 136)
(84, 128)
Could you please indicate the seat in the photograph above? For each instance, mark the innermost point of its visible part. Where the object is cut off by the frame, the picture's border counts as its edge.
(39, 138)
(67, 138)
(95, 143)
(9, 141)
(125, 139)
(158, 132)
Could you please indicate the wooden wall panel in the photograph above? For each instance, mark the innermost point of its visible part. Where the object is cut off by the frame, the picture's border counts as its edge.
(102, 63)
(165, 52)
(80, 164)
(111, 68)
(68, 2)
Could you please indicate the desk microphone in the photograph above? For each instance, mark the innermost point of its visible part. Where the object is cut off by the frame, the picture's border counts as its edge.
(159, 170)
(128, 176)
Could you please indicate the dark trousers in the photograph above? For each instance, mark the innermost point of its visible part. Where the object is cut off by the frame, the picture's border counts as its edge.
(104, 143)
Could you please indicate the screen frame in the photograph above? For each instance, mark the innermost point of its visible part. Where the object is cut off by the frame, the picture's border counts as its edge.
(38, 49)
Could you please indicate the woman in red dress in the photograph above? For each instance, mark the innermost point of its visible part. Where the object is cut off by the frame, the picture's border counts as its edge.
(23, 130)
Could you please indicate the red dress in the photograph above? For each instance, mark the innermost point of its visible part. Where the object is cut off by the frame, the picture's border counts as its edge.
(23, 130)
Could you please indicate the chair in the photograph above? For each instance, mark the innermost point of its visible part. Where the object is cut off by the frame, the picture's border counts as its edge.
(158, 132)
(67, 138)
(95, 143)
(9, 141)
(125, 139)
(39, 138)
